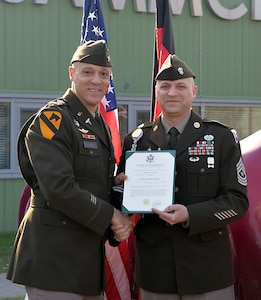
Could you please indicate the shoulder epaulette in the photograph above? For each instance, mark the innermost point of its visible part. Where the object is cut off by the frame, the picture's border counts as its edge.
(56, 102)
(216, 122)
(146, 124)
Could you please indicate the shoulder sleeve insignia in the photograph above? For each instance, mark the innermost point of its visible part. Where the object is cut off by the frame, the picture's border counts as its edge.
(50, 122)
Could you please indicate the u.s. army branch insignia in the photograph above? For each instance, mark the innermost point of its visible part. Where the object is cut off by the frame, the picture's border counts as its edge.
(50, 122)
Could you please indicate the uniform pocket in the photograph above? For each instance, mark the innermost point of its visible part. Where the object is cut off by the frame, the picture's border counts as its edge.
(146, 231)
(89, 148)
(54, 218)
(202, 177)
(88, 162)
(214, 234)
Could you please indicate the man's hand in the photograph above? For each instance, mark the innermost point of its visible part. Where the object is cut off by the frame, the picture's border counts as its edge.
(173, 214)
(121, 226)
(119, 179)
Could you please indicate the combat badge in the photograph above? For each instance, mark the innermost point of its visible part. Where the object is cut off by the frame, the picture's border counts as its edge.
(136, 136)
(50, 122)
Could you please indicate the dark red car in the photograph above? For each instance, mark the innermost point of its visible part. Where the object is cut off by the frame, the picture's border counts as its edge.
(246, 232)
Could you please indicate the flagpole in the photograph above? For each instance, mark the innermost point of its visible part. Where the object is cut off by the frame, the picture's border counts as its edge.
(152, 101)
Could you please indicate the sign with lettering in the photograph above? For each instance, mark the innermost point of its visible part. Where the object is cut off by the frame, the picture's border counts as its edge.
(196, 9)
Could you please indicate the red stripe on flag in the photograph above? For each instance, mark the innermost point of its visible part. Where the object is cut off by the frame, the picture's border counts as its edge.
(117, 272)
(111, 288)
(163, 53)
(111, 118)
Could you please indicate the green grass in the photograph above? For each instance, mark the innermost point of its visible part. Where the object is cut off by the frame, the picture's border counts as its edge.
(15, 298)
(6, 245)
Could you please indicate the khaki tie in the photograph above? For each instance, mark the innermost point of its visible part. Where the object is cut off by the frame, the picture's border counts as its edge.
(173, 132)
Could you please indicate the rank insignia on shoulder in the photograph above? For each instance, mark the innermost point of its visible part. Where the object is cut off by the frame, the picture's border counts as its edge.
(57, 101)
(136, 136)
(50, 122)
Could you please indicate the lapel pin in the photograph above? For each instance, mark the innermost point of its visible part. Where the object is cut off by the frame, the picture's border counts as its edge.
(88, 121)
(196, 124)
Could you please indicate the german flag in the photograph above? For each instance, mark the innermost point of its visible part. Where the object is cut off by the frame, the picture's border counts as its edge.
(163, 46)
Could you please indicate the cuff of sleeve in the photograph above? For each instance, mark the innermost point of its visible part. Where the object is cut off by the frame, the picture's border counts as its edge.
(185, 224)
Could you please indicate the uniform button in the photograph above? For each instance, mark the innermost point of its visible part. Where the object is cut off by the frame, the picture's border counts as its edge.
(91, 152)
(220, 232)
(64, 222)
(202, 170)
(176, 189)
(109, 158)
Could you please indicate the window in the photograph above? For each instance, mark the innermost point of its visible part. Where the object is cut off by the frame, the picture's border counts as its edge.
(5, 135)
(244, 116)
(13, 114)
(245, 120)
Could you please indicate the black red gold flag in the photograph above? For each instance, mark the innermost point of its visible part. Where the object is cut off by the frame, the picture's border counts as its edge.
(163, 46)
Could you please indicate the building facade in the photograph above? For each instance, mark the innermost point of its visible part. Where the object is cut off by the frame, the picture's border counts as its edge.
(219, 40)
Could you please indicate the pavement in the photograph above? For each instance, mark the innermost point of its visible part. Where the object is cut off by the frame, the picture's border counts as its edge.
(9, 289)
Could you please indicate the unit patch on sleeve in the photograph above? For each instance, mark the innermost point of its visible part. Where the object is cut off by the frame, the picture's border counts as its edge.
(50, 122)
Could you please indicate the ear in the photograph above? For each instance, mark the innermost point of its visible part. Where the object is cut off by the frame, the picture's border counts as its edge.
(195, 90)
(71, 73)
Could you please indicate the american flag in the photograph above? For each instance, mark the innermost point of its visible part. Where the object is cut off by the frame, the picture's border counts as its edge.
(163, 46)
(117, 258)
(93, 28)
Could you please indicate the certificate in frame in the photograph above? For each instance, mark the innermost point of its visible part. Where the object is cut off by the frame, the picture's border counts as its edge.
(151, 180)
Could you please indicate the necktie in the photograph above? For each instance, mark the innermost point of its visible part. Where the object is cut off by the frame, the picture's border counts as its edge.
(99, 121)
(173, 132)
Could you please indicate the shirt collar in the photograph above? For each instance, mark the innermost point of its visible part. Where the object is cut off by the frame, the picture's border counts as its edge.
(180, 126)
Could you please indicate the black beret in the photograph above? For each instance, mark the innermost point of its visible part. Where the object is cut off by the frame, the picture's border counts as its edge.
(93, 52)
(173, 69)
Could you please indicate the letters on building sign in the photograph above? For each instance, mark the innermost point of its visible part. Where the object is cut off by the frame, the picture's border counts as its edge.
(196, 9)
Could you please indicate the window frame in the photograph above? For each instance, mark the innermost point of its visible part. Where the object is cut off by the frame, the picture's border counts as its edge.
(17, 103)
(133, 104)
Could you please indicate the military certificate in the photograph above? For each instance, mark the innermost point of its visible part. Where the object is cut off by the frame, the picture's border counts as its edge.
(151, 181)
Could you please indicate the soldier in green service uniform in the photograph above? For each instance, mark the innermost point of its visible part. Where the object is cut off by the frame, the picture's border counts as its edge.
(184, 252)
(66, 156)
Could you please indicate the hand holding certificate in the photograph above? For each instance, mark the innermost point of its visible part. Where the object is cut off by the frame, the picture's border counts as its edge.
(151, 181)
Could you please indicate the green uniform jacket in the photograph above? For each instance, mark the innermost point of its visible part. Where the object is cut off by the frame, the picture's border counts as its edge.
(211, 183)
(60, 242)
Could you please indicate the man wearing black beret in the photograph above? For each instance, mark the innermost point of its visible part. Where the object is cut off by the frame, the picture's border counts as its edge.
(184, 252)
(66, 156)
